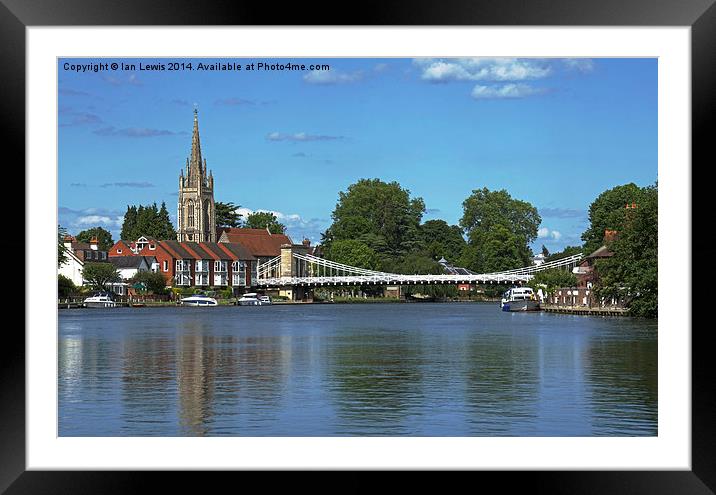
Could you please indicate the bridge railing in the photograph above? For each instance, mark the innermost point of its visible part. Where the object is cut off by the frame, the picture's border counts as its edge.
(315, 270)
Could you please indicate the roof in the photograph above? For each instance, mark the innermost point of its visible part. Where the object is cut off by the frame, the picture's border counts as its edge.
(128, 261)
(602, 252)
(206, 250)
(259, 242)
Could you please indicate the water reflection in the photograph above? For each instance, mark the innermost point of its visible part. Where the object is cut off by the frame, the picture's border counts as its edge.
(323, 370)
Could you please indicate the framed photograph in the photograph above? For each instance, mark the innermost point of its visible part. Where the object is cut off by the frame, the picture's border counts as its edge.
(427, 240)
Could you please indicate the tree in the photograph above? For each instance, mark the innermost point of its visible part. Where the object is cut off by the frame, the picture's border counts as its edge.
(500, 249)
(632, 272)
(61, 252)
(100, 274)
(264, 219)
(148, 221)
(226, 215)
(353, 253)
(104, 237)
(130, 223)
(379, 214)
(552, 279)
(442, 240)
(545, 251)
(65, 286)
(565, 253)
(607, 212)
(152, 281)
(499, 230)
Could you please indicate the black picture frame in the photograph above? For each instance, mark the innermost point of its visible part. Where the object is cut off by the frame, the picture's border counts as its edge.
(700, 15)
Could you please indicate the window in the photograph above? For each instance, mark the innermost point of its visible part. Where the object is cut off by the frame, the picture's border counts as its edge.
(183, 272)
(152, 247)
(165, 265)
(220, 273)
(119, 251)
(238, 277)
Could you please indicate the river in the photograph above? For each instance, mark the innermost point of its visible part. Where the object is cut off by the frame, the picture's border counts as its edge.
(411, 369)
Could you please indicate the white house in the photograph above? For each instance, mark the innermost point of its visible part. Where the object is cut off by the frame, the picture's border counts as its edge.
(129, 266)
(77, 254)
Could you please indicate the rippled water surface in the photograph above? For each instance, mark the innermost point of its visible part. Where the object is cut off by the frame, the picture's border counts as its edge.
(421, 369)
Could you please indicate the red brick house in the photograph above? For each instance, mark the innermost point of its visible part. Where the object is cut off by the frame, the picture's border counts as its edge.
(261, 243)
(196, 264)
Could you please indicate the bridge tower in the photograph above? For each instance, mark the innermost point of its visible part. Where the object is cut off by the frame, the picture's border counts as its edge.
(291, 267)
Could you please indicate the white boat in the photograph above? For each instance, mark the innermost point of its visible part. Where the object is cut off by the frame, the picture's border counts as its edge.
(519, 299)
(251, 299)
(99, 300)
(199, 300)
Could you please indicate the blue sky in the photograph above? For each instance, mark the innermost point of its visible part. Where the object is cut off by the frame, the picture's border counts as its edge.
(554, 132)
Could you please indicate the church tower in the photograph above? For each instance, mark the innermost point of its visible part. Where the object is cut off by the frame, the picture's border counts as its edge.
(195, 211)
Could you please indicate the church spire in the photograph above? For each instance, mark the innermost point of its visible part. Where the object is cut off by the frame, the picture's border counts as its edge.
(195, 162)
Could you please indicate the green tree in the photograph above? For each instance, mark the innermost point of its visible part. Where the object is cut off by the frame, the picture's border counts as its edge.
(499, 230)
(130, 223)
(153, 281)
(607, 212)
(264, 219)
(565, 253)
(545, 251)
(104, 237)
(552, 279)
(442, 240)
(100, 274)
(61, 252)
(632, 272)
(148, 221)
(226, 215)
(379, 214)
(353, 253)
(65, 286)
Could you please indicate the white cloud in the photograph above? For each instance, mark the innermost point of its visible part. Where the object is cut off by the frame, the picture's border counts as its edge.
(297, 227)
(545, 233)
(583, 65)
(482, 69)
(480, 92)
(331, 77)
(300, 137)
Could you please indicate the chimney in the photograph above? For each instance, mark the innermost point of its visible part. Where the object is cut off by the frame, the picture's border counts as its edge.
(94, 244)
(67, 240)
(306, 242)
(609, 235)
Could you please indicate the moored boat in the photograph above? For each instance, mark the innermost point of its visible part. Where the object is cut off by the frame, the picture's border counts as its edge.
(519, 299)
(250, 299)
(100, 300)
(199, 300)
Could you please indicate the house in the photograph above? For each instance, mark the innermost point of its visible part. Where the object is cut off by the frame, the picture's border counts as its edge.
(195, 264)
(585, 271)
(261, 243)
(129, 266)
(78, 253)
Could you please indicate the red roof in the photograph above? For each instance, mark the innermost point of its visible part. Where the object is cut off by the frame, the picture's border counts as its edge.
(259, 242)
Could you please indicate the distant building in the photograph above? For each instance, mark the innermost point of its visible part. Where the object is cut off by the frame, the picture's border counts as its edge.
(261, 243)
(129, 266)
(78, 253)
(538, 259)
(196, 217)
(194, 264)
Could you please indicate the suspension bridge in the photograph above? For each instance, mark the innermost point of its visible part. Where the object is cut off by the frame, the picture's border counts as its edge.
(294, 268)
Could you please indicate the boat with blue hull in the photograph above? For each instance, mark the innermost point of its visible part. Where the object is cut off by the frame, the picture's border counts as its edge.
(519, 299)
